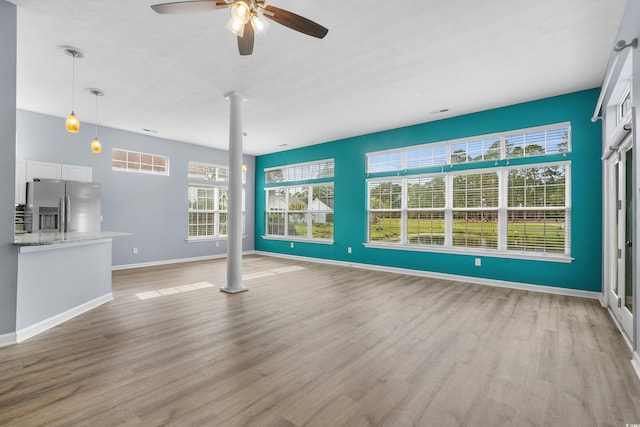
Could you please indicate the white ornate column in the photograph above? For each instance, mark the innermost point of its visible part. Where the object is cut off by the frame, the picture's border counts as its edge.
(234, 215)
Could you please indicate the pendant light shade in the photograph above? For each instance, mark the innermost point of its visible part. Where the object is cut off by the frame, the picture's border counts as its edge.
(73, 124)
(96, 145)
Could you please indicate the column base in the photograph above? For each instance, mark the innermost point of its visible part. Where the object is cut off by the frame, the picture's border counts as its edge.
(233, 291)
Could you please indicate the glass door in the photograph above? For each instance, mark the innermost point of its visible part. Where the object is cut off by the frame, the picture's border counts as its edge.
(621, 290)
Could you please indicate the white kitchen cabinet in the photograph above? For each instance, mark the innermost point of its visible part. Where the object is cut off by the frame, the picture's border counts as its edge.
(76, 173)
(44, 170)
(21, 181)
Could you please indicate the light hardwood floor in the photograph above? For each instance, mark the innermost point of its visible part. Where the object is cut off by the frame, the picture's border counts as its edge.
(316, 345)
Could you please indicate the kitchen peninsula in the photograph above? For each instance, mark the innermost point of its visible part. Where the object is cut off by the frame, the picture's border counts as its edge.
(60, 276)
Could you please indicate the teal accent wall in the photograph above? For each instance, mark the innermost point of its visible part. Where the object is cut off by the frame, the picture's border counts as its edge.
(584, 273)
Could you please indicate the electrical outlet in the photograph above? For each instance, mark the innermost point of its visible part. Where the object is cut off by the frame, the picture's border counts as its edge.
(217, 244)
(349, 250)
(478, 262)
(292, 244)
(135, 251)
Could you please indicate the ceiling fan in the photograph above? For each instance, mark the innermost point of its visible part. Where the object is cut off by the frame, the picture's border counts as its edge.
(247, 18)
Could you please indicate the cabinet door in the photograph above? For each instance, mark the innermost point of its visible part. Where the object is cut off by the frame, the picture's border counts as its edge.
(76, 173)
(21, 181)
(43, 170)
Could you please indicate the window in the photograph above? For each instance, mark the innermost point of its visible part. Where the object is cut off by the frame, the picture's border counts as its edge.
(385, 204)
(496, 208)
(464, 210)
(475, 150)
(210, 172)
(300, 211)
(133, 161)
(537, 212)
(475, 210)
(425, 211)
(624, 106)
(539, 141)
(209, 202)
(207, 211)
(300, 172)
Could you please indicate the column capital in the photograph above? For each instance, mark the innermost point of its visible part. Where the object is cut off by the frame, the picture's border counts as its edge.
(235, 95)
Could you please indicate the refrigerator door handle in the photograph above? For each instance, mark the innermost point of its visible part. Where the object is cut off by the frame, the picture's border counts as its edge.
(67, 220)
(61, 215)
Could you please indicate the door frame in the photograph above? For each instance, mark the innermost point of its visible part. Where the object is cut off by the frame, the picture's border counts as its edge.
(616, 230)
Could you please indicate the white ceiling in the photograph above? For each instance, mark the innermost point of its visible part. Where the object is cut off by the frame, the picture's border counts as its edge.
(384, 64)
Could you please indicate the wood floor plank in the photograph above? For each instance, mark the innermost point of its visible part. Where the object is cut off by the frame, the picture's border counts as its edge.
(316, 345)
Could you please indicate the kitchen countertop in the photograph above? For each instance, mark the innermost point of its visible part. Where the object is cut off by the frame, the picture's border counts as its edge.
(41, 239)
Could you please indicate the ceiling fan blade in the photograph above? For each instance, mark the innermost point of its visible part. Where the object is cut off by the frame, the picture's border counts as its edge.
(245, 43)
(189, 6)
(295, 22)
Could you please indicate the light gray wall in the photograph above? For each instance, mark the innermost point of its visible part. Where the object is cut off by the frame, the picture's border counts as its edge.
(151, 207)
(8, 252)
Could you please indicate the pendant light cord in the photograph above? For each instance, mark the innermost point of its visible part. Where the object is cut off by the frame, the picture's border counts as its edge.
(73, 83)
(96, 94)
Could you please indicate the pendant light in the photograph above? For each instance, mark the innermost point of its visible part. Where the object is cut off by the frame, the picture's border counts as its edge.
(73, 124)
(96, 145)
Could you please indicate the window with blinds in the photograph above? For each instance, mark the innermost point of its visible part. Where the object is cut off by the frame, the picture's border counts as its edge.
(300, 172)
(540, 141)
(426, 156)
(426, 201)
(207, 211)
(509, 209)
(385, 204)
(476, 150)
(475, 210)
(537, 211)
(208, 201)
(537, 143)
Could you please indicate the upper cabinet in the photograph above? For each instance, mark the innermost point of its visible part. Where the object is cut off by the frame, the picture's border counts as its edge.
(27, 170)
(43, 170)
(76, 173)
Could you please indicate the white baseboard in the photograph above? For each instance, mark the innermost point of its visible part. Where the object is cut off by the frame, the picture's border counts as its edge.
(35, 329)
(635, 362)
(444, 276)
(7, 339)
(173, 261)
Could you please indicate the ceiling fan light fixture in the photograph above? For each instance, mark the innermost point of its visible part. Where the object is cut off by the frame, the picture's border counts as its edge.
(241, 12)
(236, 27)
(260, 25)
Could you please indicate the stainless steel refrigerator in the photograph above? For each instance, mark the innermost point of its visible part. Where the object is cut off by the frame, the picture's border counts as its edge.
(63, 206)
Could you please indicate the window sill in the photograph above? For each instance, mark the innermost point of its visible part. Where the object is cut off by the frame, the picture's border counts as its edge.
(299, 239)
(208, 239)
(561, 258)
